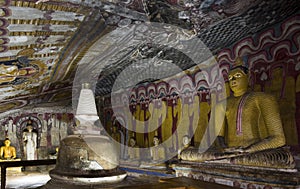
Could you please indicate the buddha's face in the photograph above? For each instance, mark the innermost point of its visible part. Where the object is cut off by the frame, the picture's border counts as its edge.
(29, 128)
(7, 143)
(238, 81)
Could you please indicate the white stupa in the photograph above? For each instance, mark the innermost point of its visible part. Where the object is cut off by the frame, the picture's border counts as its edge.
(86, 158)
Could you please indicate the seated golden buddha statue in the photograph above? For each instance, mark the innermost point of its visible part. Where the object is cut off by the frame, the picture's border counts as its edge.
(252, 133)
(7, 152)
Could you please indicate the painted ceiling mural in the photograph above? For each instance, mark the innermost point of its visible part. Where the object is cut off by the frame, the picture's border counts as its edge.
(44, 42)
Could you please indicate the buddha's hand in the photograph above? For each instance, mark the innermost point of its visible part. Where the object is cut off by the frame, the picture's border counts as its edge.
(178, 154)
(235, 150)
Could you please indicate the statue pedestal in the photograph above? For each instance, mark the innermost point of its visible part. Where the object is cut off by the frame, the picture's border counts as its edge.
(137, 172)
(239, 176)
(12, 169)
(297, 161)
(153, 165)
(131, 163)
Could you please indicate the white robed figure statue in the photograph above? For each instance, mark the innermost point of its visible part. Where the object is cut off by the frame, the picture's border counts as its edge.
(30, 142)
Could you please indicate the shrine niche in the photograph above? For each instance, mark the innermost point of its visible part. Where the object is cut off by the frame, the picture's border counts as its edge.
(30, 141)
(29, 131)
(48, 129)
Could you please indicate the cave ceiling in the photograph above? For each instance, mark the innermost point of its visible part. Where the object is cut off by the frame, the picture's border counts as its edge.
(43, 43)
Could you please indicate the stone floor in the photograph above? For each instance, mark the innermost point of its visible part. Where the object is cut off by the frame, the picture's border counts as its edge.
(30, 179)
(26, 179)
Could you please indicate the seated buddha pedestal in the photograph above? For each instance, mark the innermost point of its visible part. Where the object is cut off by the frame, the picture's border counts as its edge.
(272, 168)
(238, 175)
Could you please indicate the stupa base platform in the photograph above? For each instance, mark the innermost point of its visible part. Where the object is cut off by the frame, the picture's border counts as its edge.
(239, 176)
(84, 178)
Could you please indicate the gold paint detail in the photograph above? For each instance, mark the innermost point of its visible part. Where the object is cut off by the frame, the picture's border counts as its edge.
(10, 105)
(49, 6)
(30, 73)
(26, 52)
(43, 22)
(40, 46)
(40, 33)
(45, 55)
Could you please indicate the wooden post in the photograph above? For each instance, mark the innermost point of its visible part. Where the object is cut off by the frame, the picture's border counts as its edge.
(3, 177)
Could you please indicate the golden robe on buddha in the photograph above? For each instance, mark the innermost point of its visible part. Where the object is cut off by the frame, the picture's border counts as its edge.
(252, 133)
(253, 122)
